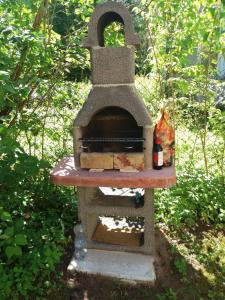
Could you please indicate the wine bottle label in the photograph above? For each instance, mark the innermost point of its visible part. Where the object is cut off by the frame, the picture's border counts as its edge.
(158, 158)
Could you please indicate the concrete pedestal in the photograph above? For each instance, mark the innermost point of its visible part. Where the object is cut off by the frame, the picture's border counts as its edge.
(130, 267)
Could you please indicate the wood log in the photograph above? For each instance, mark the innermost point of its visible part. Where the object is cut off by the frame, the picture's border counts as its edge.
(96, 160)
(129, 161)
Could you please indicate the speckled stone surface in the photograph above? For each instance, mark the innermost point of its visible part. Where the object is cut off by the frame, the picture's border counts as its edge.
(125, 97)
(65, 173)
(125, 266)
(94, 204)
(103, 15)
(113, 65)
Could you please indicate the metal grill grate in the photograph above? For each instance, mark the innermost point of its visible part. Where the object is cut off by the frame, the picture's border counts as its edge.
(121, 140)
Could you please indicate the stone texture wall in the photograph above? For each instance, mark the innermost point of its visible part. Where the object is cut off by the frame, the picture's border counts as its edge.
(113, 71)
(105, 14)
(93, 203)
(123, 96)
(113, 65)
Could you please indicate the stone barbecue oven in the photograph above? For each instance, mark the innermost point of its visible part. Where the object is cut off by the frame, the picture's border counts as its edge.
(114, 120)
(112, 163)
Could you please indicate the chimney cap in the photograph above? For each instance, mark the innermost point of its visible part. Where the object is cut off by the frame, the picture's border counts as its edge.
(103, 15)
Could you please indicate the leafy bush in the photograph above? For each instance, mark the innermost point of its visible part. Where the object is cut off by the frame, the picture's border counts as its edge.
(35, 218)
(31, 244)
(196, 196)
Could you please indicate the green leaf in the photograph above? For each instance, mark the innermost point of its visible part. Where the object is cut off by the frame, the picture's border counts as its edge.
(13, 251)
(9, 231)
(20, 239)
(10, 89)
(4, 75)
(4, 237)
(5, 216)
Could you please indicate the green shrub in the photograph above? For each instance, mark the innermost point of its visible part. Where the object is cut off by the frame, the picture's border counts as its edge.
(35, 218)
(196, 196)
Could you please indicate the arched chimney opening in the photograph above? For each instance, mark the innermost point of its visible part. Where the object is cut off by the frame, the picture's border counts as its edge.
(105, 21)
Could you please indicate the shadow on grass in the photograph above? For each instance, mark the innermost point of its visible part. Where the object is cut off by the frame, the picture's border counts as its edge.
(176, 279)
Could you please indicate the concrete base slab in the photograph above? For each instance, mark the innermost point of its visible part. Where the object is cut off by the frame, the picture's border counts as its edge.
(131, 267)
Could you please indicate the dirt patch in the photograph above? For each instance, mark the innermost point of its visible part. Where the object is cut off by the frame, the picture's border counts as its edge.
(169, 285)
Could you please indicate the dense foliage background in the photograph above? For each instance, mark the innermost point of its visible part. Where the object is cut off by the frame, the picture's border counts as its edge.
(44, 80)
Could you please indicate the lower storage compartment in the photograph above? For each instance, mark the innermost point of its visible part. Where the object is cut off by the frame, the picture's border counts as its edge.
(120, 231)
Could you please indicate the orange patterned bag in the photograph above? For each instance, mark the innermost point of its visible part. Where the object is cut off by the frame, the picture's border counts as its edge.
(165, 133)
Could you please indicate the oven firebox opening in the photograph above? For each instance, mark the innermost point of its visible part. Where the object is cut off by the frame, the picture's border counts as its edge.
(112, 129)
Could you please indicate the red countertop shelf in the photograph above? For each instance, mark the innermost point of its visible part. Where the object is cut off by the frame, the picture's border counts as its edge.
(65, 173)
